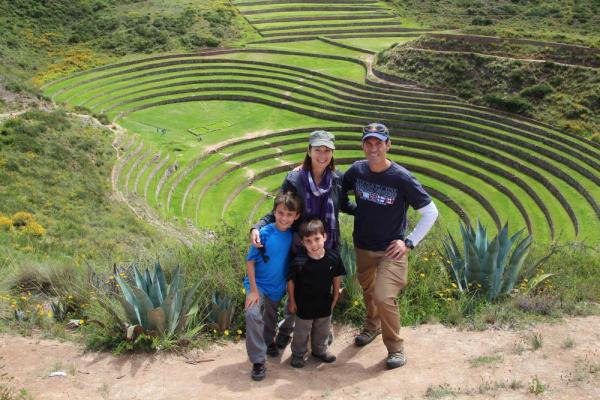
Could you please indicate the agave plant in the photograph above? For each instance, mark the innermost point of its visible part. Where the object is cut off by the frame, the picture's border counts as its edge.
(222, 311)
(488, 265)
(156, 306)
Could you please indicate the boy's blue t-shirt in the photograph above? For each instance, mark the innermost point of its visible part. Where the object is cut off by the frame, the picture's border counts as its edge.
(271, 276)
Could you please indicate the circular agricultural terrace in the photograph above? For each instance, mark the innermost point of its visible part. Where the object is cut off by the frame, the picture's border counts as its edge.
(213, 133)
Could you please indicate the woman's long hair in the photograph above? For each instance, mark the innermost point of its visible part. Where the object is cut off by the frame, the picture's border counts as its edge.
(307, 163)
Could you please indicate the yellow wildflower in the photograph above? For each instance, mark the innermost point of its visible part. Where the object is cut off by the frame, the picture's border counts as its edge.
(239, 331)
(425, 258)
(454, 285)
(356, 302)
(81, 322)
(226, 332)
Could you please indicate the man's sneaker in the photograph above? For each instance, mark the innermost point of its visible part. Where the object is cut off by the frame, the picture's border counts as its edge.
(259, 371)
(326, 357)
(395, 359)
(297, 361)
(366, 337)
(272, 350)
(282, 341)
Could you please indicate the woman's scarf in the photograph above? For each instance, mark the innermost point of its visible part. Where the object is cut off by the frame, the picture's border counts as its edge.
(318, 204)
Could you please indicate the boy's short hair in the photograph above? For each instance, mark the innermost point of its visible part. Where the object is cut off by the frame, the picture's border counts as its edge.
(311, 227)
(289, 200)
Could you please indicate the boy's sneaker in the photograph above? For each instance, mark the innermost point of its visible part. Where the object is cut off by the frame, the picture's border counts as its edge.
(297, 361)
(282, 341)
(366, 337)
(259, 371)
(395, 359)
(326, 357)
(272, 350)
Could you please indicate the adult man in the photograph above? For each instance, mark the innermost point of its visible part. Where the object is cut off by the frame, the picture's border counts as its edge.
(383, 191)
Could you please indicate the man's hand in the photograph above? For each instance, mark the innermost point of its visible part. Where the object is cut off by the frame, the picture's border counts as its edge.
(396, 249)
(255, 238)
(251, 299)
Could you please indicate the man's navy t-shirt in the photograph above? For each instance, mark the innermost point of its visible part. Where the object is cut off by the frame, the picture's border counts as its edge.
(382, 200)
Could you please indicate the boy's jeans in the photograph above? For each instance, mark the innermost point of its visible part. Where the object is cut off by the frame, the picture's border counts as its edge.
(318, 330)
(381, 279)
(261, 324)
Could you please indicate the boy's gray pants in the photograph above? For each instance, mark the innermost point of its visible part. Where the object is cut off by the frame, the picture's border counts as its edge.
(261, 324)
(318, 330)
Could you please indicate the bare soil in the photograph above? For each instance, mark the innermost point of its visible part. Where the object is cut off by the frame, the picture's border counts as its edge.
(500, 364)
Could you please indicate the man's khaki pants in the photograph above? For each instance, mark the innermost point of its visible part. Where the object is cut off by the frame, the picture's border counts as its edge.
(382, 279)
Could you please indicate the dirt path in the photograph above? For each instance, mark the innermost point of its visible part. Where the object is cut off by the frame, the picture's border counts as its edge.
(474, 365)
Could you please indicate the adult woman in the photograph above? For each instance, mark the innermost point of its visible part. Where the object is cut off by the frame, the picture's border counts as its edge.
(319, 186)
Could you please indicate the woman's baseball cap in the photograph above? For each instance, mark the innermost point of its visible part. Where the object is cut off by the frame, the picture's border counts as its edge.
(322, 138)
(377, 130)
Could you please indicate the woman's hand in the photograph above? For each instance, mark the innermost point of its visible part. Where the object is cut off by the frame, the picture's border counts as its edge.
(255, 238)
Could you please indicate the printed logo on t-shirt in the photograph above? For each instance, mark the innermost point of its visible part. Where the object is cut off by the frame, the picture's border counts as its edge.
(375, 193)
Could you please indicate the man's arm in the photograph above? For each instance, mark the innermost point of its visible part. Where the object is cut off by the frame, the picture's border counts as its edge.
(398, 248)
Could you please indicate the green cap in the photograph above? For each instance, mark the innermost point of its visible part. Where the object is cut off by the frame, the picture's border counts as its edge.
(322, 138)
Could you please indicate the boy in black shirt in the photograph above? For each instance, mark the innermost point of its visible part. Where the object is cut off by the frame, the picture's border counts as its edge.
(311, 297)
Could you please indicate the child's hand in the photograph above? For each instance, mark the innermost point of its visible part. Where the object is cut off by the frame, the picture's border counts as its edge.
(292, 307)
(251, 299)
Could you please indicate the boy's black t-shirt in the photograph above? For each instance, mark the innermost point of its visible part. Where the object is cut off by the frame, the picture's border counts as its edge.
(313, 280)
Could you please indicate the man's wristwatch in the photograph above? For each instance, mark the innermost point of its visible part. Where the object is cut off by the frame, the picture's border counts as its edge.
(409, 243)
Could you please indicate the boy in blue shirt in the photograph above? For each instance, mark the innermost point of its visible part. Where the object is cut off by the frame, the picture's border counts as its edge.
(314, 285)
(265, 283)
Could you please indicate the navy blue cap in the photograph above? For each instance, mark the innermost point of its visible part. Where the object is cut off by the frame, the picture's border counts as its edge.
(376, 130)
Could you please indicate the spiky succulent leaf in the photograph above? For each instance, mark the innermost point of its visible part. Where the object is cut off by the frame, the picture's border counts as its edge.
(148, 280)
(474, 270)
(140, 281)
(143, 305)
(128, 294)
(159, 276)
(493, 270)
(130, 311)
(515, 264)
(176, 281)
(155, 294)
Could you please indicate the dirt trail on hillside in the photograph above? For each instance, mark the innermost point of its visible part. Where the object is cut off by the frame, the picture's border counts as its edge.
(496, 364)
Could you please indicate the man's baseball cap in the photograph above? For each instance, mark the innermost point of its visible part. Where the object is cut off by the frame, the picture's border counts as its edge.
(377, 130)
(322, 138)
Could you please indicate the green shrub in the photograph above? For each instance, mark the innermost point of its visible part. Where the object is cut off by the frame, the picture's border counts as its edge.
(538, 91)
(507, 102)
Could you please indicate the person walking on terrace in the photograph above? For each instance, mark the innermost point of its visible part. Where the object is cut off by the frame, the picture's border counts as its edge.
(318, 185)
(384, 190)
